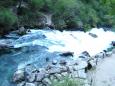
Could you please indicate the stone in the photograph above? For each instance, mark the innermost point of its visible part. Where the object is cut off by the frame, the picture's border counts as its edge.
(64, 69)
(108, 54)
(40, 76)
(113, 43)
(54, 62)
(82, 74)
(66, 54)
(85, 53)
(63, 62)
(29, 84)
(58, 76)
(29, 69)
(18, 76)
(21, 84)
(64, 74)
(75, 74)
(113, 51)
(49, 67)
(21, 31)
(100, 55)
(93, 35)
(54, 70)
(31, 78)
(47, 81)
(82, 65)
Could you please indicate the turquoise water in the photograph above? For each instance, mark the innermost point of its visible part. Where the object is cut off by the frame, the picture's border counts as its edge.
(10, 62)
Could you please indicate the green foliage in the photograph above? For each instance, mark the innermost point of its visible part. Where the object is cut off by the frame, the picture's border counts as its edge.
(7, 18)
(66, 81)
(66, 13)
(36, 4)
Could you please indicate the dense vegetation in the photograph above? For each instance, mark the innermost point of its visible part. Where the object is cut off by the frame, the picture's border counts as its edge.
(65, 13)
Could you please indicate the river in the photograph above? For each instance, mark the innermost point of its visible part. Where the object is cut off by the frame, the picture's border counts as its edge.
(37, 45)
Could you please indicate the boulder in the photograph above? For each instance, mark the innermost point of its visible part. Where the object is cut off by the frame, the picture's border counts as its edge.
(54, 71)
(113, 43)
(29, 69)
(63, 62)
(40, 76)
(85, 53)
(93, 35)
(31, 78)
(108, 54)
(100, 55)
(22, 31)
(66, 54)
(54, 62)
(47, 81)
(18, 76)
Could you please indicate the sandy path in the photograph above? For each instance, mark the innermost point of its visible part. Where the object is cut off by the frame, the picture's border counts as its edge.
(105, 72)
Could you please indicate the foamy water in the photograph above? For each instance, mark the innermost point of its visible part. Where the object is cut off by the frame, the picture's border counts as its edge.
(74, 41)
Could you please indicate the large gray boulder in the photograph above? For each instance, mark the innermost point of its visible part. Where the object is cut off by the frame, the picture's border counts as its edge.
(18, 76)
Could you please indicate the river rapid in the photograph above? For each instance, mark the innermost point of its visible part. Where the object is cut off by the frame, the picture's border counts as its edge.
(37, 45)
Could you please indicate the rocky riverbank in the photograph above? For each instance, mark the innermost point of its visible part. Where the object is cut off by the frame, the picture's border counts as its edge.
(55, 70)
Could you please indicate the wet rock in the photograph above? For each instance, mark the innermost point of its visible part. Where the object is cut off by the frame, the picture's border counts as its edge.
(85, 53)
(29, 84)
(66, 54)
(29, 69)
(18, 76)
(93, 35)
(49, 67)
(22, 31)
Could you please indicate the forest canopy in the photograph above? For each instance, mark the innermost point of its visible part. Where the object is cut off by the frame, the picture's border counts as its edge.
(65, 13)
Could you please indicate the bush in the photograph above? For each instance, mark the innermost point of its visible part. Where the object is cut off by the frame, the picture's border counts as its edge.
(7, 18)
(66, 81)
(36, 4)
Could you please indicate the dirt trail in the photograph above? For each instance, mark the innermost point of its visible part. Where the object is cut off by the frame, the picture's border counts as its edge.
(104, 75)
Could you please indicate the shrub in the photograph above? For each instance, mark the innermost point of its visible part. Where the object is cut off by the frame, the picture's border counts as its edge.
(66, 81)
(7, 18)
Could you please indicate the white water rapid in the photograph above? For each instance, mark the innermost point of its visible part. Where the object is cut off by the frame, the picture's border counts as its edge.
(73, 41)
